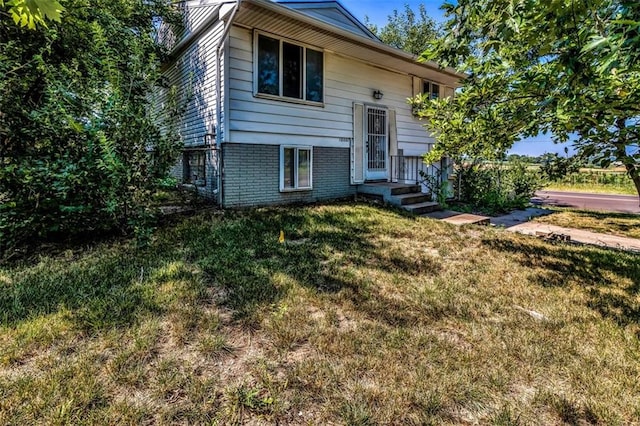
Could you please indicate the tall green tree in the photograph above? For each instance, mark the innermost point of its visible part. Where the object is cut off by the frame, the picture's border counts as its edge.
(408, 30)
(567, 67)
(28, 13)
(76, 130)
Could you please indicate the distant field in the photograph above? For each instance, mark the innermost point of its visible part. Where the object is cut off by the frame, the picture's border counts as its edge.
(609, 181)
(613, 180)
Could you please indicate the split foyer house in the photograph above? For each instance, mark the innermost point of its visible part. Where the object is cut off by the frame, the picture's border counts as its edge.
(294, 101)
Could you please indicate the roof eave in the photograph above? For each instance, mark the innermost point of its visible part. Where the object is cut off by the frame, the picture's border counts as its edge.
(392, 51)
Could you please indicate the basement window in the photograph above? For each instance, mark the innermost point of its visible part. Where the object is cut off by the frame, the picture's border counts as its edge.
(296, 164)
(194, 167)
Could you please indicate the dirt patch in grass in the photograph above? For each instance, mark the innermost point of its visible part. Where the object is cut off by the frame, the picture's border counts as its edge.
(362, 316)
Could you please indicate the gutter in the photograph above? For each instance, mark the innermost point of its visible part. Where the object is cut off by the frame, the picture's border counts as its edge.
(219, 50)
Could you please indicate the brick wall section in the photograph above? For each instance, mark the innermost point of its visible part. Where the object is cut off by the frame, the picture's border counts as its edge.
(252, 176)
(211, 173)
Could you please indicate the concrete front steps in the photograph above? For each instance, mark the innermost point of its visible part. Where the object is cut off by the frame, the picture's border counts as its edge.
(406, 196)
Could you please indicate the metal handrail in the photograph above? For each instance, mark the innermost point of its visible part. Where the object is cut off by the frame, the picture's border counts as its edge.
(407, 169)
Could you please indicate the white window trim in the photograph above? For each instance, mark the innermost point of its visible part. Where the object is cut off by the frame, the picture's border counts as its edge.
(257, 94)
(296, 187)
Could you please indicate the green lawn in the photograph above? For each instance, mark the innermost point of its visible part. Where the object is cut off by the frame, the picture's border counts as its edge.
(363, 316)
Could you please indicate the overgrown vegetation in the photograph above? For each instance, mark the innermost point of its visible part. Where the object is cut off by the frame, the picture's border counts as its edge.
(29, 13)
(568, 174)
(362, 316)
(495, 187)
(438, 186)
(76, 131)
(554, 167)
(560, 67)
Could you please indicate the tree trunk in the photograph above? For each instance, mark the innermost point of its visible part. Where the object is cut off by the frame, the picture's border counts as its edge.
(630, 164)
(632, 170)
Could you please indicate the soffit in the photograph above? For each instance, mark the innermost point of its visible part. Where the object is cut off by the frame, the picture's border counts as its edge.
(257, 14)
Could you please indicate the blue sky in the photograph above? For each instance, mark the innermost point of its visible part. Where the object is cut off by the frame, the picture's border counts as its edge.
(378, 11)
(539, 145)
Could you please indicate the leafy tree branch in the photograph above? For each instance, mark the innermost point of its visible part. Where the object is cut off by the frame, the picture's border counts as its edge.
(566, 67)
(29, 13)
(80, 147)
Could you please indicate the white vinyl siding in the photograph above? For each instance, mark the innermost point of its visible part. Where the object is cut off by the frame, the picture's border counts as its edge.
(332, 14)
(265, 121)
(193, 17)
(194, 76)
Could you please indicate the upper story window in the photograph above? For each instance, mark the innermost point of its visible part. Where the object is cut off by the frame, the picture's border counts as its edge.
(431, 89)
(289, 70)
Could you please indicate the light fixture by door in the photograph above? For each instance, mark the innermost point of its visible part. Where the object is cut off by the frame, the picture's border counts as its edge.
(377, 94)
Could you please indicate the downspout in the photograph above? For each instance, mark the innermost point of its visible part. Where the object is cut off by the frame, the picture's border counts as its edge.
(219, 98)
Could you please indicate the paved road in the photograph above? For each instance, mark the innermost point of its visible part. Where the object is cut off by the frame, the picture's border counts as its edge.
(602, 202)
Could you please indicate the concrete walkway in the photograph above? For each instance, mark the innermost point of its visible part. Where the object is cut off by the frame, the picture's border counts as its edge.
(508, 220)
(520, 221)
(457, 218)
(519, 216)
(581, 236)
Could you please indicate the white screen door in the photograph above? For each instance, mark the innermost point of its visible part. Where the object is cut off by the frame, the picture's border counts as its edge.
(377, 139)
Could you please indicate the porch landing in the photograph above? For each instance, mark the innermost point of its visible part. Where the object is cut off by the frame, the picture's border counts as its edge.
(407, 196)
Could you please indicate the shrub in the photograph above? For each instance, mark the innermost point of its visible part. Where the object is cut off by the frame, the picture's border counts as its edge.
(494, 188)
(76, 126)
(437, 187)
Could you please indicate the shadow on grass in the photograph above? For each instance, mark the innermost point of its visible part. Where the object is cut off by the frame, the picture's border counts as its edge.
(624, 223)
(101, 289)
(236, 253)
(610, 278)
(243, 255)
(606, 215)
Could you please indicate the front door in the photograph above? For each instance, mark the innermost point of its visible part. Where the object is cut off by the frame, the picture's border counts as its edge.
(377, 140)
